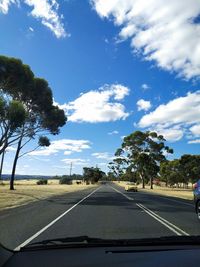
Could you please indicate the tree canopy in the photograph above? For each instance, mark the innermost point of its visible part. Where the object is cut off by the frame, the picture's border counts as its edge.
(30, 111)
(183, 170)
(92, 174)
(142, 153)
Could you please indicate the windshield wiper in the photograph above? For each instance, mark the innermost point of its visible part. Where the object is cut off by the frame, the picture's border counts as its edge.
(85, 241)
(75, 241)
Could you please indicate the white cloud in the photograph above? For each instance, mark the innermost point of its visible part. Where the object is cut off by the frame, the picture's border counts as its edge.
(195, 130)
(119, 91)
(143, 105)
(44, 10)
(113, 132)
(69, 146)
(76, 161)
(170, 134)
(103, 155)
(179, 110)
(100, 105)
(4, 5)
(179, 116)
(162, 31)
(145, 86)
(194, 141)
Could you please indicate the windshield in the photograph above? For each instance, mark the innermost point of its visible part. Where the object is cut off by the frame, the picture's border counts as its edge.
(99, 120)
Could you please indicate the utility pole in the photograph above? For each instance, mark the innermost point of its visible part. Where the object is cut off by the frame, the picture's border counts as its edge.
(70, 170)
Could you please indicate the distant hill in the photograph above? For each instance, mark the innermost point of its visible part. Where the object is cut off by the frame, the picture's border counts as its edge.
(22, 177)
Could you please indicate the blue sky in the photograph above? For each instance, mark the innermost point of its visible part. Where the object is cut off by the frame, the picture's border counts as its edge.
(114, 67)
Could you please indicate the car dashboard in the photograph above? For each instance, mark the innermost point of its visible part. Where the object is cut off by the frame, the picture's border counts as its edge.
(151, 256)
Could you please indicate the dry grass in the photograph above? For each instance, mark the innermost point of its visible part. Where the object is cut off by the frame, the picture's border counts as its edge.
(165, 191)
(28, 191)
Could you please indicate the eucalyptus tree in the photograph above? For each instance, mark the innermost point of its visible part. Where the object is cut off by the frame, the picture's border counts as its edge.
(190, 167)
(12, 117)
(15, 81)
(145, 151)
(92, 174)
(183, 170)
(171, 172)
(118, 165)
(42, 117)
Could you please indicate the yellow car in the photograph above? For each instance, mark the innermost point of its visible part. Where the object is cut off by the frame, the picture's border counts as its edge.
(131, 187)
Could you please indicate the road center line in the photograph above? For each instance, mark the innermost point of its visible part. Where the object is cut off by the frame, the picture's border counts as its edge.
(129, 198)
(175, 229)
(54, 221)
(163, 221)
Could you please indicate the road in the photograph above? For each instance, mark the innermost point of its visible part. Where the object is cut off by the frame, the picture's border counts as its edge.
(106, 212)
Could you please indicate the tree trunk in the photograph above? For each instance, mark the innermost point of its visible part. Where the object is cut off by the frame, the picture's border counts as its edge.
(143, 183)
(1, 167)
(151, 183)
(12, 178)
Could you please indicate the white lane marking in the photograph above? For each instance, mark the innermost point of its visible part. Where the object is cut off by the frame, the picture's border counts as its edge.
(168, 198)
(129, 198)
(54, 221)
(160, 219)
(165, 222)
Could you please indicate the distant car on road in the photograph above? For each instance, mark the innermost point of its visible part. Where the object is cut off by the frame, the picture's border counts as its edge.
(131, 187)
(196, 193)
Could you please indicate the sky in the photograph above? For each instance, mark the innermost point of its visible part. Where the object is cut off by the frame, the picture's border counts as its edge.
(115, 67)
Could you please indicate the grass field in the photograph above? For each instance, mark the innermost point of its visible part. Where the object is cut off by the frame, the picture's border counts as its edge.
(28, 191)
(166, 191)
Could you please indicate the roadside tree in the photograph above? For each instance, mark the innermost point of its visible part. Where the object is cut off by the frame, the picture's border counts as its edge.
(145, 151)
(190, 167)
(17, 82)
(92, 174)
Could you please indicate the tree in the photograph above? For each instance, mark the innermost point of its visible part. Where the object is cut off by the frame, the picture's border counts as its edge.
(130, 175)
(117, 166)
(145, 152)
(41, 119)
(171, 173)
(18, 82)
(12, 117)
(165, 172)
(92, 174)
(190, 167)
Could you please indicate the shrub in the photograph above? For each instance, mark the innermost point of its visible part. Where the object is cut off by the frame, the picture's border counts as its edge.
(42, 182)
(65, 180)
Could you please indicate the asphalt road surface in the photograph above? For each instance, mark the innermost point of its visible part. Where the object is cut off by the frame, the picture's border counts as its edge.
(105, 212)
